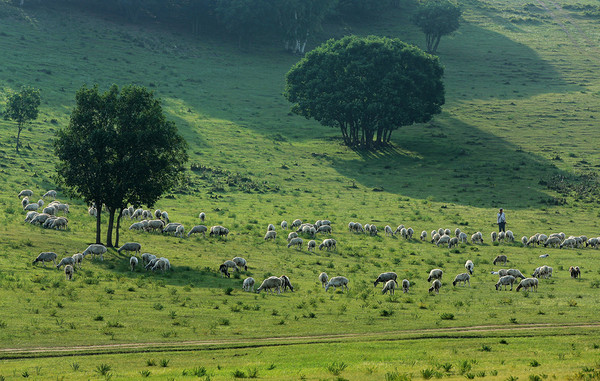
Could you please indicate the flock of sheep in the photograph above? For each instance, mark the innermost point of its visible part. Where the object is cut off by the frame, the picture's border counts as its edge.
(389, 279)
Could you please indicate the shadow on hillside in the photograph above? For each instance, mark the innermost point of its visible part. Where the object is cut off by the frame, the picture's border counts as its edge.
(456, 163)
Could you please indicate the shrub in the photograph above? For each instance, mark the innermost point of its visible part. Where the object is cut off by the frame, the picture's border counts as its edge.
(447, 316)
(103, 369)
(150, 362)
(486, 348)
(238, 374)
(164, 362)
(145, 373)
(534, 363)
(336, 368)
(427, 373)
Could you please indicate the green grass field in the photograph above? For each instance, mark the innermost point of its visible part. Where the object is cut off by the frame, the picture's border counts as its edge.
(522, 97)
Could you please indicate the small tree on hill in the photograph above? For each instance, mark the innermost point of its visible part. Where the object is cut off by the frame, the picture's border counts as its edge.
(437, 18)
(366, 87)
(118, 149)
(22, 107)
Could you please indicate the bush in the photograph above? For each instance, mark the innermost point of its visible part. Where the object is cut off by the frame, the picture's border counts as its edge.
(336, 368)
(447, 316)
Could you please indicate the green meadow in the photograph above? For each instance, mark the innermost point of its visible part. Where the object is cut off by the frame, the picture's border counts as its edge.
(522, 95)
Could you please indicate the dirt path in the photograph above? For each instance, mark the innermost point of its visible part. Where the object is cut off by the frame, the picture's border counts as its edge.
(199, 345)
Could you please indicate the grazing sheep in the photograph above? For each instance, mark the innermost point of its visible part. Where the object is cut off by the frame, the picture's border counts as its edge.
(435, 286)
(541, 239)
(329, 244)
(241, 263)
(269, 284)
(500, 259)
(524, 240)
(404, 233)
(165, 216)
(553, 242)
(435, 274)
(528, 283)
(447, 231)
(66, 261)
(388, 231)
(296, 223)
(351, 226)
(198, 229)
(130, 246)
(46, 257)
(494, 236)
(501, 236)
(95, 249)
(453, 242)
(60, 207)
(593, 242)
(25, 193)
(155, 225)
(248, 284)
(423, 235)
(475, 238)
(40, 202)
(40, 219)
(325, 229)
(136, 226)
(179, 231)
(505, 281)
(358, 228)
(69, 270)
(158, 213)
(162, 264)
(31, 215)
(405, 285)
(464, 278)
(24, 202)
(231, 264)
(409, 233)
(384, 277)
(312, 245)
(133, 261)
(147, 258)
(218, 230)
(92, 211)
(400, 227)
(441, 231)
(222, 270)
(30, 207)
(516, 273)
(457, 232)
(434, 232)
(171, 227)
(435, 237)
(324, 279)
(390, 286)
(50, 193)
(542, 272)
(569, 242)
(284, 225)
(337, 281)
(575, 272)
(445, 239)
(510, 237)
(285, 283)
(78, 258)
(373, 230)
(60, 222)
(291, 236)
(295, 242)
(469, 266)
(271, 227)
(462, 237)
(544, 255)
(202, 216)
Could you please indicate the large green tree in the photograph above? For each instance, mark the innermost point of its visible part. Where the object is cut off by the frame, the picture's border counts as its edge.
(118, 149)
(366, 87)
(22, 107)
(437, 18)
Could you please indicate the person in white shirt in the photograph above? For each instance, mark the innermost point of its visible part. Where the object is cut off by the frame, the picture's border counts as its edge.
(501, 221)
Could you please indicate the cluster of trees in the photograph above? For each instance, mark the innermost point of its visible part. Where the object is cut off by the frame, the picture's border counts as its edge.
(291, 22)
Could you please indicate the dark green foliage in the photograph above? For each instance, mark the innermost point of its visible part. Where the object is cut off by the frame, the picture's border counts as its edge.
(366, 87)
(22, 107)
(437, 18)
(118, 149)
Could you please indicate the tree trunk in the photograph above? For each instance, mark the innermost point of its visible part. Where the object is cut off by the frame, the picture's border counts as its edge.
(111, 220)
(98, 221)
(118, 226)
(20, 127)
(436, 43)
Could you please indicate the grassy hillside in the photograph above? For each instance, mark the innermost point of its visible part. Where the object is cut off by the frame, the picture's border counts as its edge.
(522, 96)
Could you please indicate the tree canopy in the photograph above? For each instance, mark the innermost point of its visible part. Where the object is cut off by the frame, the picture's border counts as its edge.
(118, 149)
(22, 107)
(437, 18)
(366, 87)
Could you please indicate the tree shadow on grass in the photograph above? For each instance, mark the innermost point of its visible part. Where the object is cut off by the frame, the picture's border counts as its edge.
(451, 161)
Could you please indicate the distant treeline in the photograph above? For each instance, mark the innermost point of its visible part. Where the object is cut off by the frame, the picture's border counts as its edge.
(290, 22)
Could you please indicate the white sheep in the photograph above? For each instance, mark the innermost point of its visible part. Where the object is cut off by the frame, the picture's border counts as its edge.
(435, 286)
(390, 286)
(295, 242)
(271, 227)
(453, 242)
(66, 261)
(269, 284)
(475, 238)
(162, 264)
(24, 202)
(337, 281)
(171, 227)
(284, 225)
(92, 211)
(147, 258)
(553, 242)
(202, 216)
(443, 239)
(133, 261)
(30, 215)
(285, 283)
(405, 285)
(165, 216)
(95, 249)
(400, 227)
(384, 277)
(291, 236)
(130, 246)
(25, 193)
(69, 270)
(40, 219)
(528, 283)
(423, 235)
(409, 233)
(469, 266)
(494, 236)
(505, 281)
(404, 233)
(510, 237)
(358, 228)
(524, 240)
(435, 237)
(248, 284)
(323, 278)
(514, 272)
(78, 258)
(464, 278)
(435, 274)
(46, 257)
(324, 229)
(136, 226)
(241, 263)
(40, 202)
(457, 232)
(50, 193)
(329, 244)
(158, 213)
(388, 231)
(296, 223)
(501, 236)
(155, 225)
(60, 222)
(231, 264)
(198, 229)
(500, 259)
(32, 206)
(312, 245)
(218, 230)
(569, 242)
(462, 237)
(179, 231)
